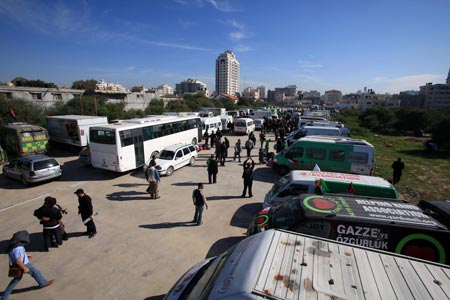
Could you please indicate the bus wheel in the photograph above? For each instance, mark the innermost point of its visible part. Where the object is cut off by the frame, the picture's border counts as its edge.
(169, 171)
(194, 141)
(283, 170)
(192, 161)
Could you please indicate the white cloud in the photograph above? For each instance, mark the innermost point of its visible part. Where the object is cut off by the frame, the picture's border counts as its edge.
(306, 64)
(223, 6)
(242, 48)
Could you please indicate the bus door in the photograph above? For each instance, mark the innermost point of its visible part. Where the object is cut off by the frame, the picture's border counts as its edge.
(138, 141)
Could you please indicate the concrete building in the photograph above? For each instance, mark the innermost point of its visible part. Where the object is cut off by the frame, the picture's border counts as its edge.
(164, 89)
(108, 87)
(44, 97)
(313, 96)
(411, 99)
(436, 95)
(331, 97)
(262, 91)
(191, 86)
(251, 93)
(288, 91)
(227, 74)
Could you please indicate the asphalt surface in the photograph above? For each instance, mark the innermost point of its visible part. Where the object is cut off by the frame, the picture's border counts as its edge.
(143, 245)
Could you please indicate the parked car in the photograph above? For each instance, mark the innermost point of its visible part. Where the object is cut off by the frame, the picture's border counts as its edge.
(33, 169)
(174, 157)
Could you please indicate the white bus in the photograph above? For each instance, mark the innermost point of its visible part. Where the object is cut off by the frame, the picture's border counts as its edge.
(244, 126)
(127, 145)
(211, 125)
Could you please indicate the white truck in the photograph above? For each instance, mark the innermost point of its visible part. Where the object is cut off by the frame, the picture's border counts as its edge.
(72, 129)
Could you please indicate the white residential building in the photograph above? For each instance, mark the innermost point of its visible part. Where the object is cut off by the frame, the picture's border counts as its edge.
(227, 74)
(108, 87)
(251, 93)
(262, 91)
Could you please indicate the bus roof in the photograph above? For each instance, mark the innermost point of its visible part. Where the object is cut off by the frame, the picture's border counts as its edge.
(369, 209)
(302, 175)
(334, 140)
(142, 122)
(75, 117)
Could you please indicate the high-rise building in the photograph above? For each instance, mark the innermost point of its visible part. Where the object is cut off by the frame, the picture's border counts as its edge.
(227, 74)
(262, 91)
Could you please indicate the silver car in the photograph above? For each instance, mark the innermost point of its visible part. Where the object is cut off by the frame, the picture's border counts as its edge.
(33, 169)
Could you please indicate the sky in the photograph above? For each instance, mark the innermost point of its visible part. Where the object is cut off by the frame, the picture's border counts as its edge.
(385, 45)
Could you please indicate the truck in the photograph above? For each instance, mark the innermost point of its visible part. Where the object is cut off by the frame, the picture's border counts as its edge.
(421, 231)
(279, 264)
(72, 130)
(23, 139)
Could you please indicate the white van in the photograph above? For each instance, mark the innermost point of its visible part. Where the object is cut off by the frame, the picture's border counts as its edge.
(211, 124)
(313, 182)
(259, 124)
(244, 126)
(312, 130)
(278, 264)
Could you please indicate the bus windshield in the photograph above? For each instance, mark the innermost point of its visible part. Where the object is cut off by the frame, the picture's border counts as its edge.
(103, 136)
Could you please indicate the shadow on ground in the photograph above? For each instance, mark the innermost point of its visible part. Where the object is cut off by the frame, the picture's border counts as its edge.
(166, 225)
(128, 196)
(215, 198)
(265, 174)
(159, 297)
(186, 183)
(130, 185)
(222, 245)
(244, 215)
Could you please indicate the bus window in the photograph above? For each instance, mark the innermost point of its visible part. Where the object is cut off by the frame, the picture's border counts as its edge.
(337, 155)
(315, 153)
(295, 152)
(157, 131)
(147, 132)
(358, 157)
(126, 138)
(102, 136)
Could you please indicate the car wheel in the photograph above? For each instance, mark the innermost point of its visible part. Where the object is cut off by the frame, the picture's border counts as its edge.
(169, 171)
(24, 181)
(194, 141)
(192, 161)
(283, 170)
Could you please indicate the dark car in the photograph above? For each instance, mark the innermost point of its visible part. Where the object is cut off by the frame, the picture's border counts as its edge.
(421, 230)
(33, 169)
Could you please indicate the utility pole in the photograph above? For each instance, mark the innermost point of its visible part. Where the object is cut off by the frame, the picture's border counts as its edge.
(81, 104)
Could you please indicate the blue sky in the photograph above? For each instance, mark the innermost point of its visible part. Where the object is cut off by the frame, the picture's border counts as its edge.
(389, 46)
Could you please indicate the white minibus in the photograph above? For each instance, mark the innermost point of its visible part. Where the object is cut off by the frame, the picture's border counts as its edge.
(244, 125)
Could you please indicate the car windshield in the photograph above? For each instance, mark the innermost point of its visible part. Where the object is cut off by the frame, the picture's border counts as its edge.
(287, 215)
(166, 155)
(280, 183)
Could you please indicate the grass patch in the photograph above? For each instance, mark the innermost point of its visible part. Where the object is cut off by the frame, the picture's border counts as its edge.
(426, 176)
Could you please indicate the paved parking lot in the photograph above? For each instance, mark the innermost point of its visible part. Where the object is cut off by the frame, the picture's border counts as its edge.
(143, 245)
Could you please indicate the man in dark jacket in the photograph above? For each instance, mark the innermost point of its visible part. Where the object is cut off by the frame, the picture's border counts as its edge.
(213, 168)
(49, 216)
(86, 211)
(247, 175)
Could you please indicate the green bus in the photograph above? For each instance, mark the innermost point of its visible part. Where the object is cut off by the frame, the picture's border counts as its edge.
(329, 153)
(22, 139)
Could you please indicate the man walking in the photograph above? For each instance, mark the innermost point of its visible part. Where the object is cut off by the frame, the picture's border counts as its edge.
(398, 167)
(199, 201)
(247, 175)
(18, 257)
(249, 146)
(86, 211)
(213, 168)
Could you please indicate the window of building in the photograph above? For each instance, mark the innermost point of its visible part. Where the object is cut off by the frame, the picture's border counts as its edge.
(57, 97)
(36, 96)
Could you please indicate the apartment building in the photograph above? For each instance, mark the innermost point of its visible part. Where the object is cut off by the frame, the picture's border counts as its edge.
(227, 74)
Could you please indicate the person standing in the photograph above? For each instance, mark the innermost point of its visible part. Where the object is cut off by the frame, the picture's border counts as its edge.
(227, 145)
(262, 138)
(247, 175)
(86, 211)
(398, 167)
(249, 146)
(223, 153)
(18, 257)
(213, 168)
(206, 137)
(237, 150)
(152, 176)
(49, 217)
(199, 201)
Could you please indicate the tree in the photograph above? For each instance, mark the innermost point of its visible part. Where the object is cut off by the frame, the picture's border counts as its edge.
(21, 81)
(88, 85)
(155, 107)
